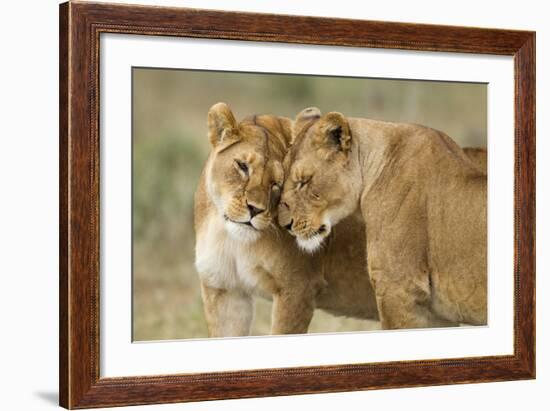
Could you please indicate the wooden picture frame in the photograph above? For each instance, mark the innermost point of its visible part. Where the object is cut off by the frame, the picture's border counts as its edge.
(80, 27)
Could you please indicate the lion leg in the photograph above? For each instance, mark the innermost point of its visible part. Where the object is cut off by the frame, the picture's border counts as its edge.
(407, 304)
(398, 258)
(228, 313)
(292, 312)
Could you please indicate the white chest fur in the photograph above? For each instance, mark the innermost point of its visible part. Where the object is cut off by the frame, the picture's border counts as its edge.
(222, 261)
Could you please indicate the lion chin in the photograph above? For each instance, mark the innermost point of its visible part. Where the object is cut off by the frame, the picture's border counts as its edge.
(241, 232)
(311, 244)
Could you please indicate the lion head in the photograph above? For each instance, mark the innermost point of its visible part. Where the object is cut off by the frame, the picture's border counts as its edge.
(318, 191)
(244, 176)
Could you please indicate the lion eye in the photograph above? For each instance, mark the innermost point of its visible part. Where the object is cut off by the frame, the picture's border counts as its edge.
(242, 166)
(303, 182)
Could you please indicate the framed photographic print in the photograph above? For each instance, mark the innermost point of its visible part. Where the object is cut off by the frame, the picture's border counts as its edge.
(259, 205)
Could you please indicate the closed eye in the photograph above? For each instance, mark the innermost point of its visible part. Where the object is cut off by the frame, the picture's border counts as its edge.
(303, 182)
(242, 166)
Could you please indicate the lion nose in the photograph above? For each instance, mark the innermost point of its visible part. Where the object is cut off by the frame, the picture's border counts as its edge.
(289, 225)
(254, 210)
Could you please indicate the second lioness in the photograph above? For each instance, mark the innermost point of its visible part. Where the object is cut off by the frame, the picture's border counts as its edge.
(423, 202)
(241, 253)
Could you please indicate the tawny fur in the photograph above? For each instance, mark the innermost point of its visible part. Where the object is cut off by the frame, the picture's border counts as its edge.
(478, 156)
(236, 262)
(423, 201)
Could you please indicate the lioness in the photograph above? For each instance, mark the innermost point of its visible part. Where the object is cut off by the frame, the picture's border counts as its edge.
(422, 200)
(241, 252)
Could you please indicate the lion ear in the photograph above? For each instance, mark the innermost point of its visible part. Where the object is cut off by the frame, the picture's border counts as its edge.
(221, 124)
(336, 132)
(303, 118)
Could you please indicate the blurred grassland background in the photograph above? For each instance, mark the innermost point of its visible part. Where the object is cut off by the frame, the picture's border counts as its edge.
(170, 147)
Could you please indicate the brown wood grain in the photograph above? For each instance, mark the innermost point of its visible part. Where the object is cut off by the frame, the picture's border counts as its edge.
(80, 27)
(63, 206)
